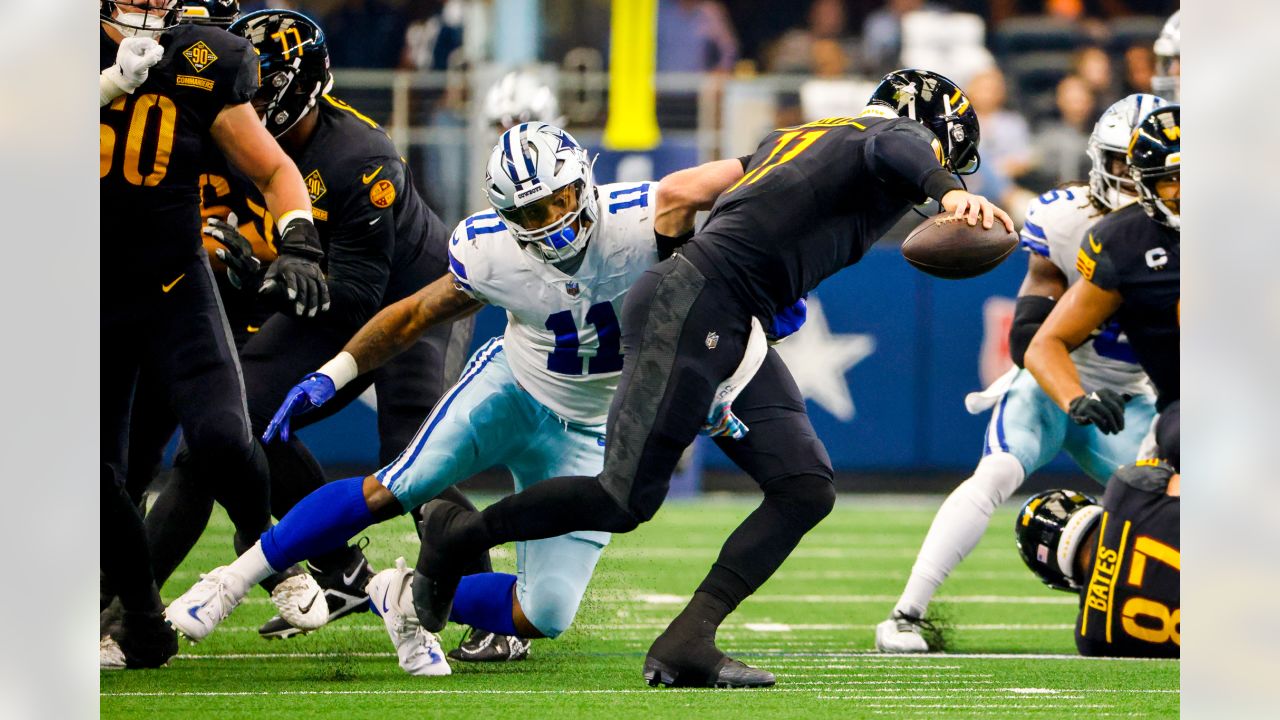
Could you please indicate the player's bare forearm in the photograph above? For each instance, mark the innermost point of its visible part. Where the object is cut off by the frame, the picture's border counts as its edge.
(398, 326)
(684, 192)
(1082, 309)
(250, 149)
(1043, 279)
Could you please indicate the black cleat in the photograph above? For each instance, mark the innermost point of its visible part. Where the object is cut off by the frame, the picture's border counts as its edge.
(144, 639)
(435, 579)
(728, 673)
(343, 591)
(483, 646)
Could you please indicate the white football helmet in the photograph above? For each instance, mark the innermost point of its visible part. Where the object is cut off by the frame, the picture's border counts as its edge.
(139, 18)
(539, 180)
(1167, 79)
(1109, 180)
(520, 96)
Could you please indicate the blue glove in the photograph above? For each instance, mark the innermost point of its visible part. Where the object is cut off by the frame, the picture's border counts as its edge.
(722, 422)
(788, 320)
(315, 390)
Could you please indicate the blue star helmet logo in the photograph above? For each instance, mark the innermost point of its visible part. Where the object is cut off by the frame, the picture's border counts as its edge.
(566, 142)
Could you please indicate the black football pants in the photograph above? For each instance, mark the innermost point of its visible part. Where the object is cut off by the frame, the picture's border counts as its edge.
(683, 332)
(169, 325)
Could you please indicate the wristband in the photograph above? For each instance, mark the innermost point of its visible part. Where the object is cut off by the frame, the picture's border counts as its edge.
(341, 369)
(289, 217)
(110, 85)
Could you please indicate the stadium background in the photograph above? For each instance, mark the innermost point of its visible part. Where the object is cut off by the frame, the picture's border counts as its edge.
(654, 86)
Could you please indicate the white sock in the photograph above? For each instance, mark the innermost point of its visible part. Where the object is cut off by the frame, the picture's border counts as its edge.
(958, 527)
(252, 566)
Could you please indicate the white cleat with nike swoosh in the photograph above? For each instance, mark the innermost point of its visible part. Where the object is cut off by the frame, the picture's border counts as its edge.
(301, 602)
(199, 610)
(391, 596)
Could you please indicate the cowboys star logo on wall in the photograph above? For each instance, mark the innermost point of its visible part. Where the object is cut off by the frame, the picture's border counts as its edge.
(819, 359)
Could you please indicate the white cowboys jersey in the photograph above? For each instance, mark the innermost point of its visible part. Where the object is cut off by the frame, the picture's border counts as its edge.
(563, 339)
(1057, 222)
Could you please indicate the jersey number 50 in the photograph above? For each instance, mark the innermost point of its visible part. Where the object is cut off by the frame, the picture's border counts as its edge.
(608, 358)
(131, 163)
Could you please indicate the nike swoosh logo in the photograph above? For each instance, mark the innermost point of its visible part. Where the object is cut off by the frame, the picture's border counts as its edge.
(348, 579)
(1094, 245)
(193, 610)
(384, 599)
(167, 288)
(307, 608)
(366, 179)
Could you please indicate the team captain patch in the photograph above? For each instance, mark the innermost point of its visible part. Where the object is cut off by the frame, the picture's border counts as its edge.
(200, 56)
(195, 82)
(382, 194)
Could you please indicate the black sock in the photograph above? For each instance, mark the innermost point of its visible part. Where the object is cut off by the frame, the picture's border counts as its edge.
(478, 562)
(124, 558)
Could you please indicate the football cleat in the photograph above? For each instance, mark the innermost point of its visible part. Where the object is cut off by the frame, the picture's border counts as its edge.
(391, 596)
(301, 602)
(199, 610)
(483, 646)
(727, 674)
(140, 640)
(900, 634)
(344, 592)
(110, 656)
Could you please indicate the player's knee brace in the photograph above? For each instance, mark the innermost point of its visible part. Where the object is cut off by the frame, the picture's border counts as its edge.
(805, 499)
(997, 477)
(551, 601)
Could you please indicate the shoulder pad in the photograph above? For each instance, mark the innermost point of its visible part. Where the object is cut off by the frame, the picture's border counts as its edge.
(1147, 475)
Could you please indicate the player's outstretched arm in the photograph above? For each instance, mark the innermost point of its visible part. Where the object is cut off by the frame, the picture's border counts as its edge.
(1083, 308)
(684, 192)
(247, 145)
(393, 330)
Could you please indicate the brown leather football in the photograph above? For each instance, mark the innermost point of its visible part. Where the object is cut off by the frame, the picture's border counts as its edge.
(948, 247)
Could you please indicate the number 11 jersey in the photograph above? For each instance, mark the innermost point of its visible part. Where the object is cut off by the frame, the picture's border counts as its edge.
(563, 339)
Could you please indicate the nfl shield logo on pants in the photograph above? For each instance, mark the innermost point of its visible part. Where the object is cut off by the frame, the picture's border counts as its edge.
(713, 339)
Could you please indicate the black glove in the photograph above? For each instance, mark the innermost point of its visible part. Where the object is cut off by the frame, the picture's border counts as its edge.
(1103, 408)
(243, 269)
(297, 269)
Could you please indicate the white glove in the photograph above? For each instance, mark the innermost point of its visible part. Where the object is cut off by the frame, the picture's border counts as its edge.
(134, 59)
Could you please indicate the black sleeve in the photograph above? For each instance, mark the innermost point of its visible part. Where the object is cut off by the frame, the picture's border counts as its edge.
(1029, 314)
(904, 157)
(362, 242)
(236, 71)
(1150, 476)
(745, 160)
(668, 244)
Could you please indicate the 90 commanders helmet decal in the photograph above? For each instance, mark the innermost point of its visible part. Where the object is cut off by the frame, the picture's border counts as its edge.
(1155, 156)
(940, 105)
(219, 13)
(295, 64)
(1049, 530)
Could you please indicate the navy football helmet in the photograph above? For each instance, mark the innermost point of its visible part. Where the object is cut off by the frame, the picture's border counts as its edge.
(1155, 155)
(295, 64)
(940, 105)
(1049, 530)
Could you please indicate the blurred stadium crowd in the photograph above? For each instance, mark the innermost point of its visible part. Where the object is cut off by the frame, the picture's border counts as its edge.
(1039, 71)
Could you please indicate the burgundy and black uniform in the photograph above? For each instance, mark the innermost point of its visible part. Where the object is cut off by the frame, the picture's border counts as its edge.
(1130, 253)
(1131, 605)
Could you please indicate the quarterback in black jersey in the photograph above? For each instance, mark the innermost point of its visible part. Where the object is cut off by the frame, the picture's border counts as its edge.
(1129, 265)
(381, 243)
(1124, 557)
(160, 313)
(811, 201)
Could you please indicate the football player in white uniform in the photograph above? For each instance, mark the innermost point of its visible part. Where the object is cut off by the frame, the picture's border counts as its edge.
(1027, 428)
(559, 255)
(1167, 81)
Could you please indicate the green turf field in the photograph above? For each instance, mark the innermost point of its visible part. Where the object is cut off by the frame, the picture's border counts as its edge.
(1011, 651)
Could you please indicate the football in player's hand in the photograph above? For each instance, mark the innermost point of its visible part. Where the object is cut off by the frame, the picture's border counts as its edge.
(949, 247)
